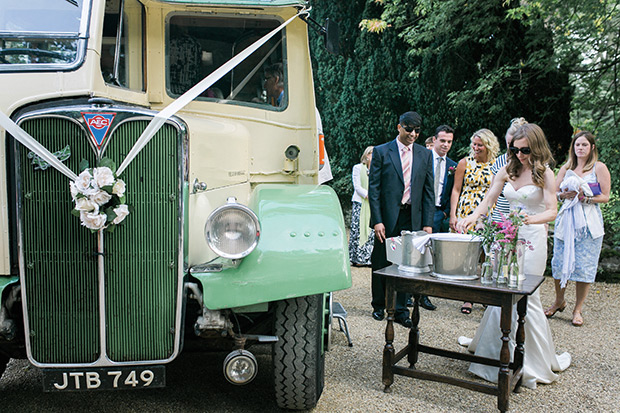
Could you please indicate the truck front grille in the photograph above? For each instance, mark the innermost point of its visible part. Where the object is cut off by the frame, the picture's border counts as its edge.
(59, 267)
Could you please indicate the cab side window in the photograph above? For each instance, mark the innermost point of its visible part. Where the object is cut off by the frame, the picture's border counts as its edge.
(122, 51)
(197, 46)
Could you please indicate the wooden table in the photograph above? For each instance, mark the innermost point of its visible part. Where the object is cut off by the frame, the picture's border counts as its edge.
(510, 374)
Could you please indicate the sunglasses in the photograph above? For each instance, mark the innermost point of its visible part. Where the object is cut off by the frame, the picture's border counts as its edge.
(410, 129)
(525, 150)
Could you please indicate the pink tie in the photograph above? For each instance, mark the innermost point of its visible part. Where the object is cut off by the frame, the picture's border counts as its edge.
(405, 159)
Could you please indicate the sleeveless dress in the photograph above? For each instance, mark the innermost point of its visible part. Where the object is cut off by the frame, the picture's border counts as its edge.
(587, 250)
(540, 360)
(476, 182)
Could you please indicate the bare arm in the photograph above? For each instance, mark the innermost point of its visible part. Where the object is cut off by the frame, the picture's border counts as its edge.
(551, 203)
(604, 178)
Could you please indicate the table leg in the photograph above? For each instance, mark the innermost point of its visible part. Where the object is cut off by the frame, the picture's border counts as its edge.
(414, 332)
(520, 338)
(503, 378)
(388, 350)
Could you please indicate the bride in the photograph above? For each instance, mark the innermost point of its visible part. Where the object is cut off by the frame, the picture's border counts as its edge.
(529, 184)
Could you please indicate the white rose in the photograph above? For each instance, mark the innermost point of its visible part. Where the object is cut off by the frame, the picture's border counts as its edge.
(121, 212)
(74, 191)
(83, 182)
(87, 205)
(101, 197)
(119, 188)
(103, 176)
(93, 220)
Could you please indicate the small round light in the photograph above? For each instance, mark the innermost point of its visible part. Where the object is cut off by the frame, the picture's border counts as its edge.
(240, 367)
(232, 230)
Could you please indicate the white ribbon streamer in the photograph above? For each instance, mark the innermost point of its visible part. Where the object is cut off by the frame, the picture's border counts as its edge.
(31, 143)
(159, 119)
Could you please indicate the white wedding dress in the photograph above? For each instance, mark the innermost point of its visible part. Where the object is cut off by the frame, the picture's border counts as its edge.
(540, 360)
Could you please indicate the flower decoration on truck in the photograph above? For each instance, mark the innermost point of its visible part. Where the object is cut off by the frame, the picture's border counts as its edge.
(99, 196)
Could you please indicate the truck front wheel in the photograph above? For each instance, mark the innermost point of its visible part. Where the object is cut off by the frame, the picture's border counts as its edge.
(298, 358)
(4, 360)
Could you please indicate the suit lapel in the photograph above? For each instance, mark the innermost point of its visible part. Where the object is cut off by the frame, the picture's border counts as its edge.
(417, 159)
(395, 158)
(449, 163)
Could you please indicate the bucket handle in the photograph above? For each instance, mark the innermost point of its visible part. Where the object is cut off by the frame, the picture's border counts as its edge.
(430, 250)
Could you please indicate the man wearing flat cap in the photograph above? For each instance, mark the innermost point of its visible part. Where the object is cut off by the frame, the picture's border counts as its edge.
(401, 195)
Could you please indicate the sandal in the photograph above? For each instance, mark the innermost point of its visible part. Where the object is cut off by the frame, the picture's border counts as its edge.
(577, 320)
(550, 312)
(466, 308)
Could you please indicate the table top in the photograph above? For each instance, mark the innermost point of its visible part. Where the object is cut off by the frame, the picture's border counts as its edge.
(527, 287)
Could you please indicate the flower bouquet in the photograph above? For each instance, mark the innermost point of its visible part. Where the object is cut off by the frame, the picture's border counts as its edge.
(486, 229)
(99, 196)
(502, 238)
(512, 249)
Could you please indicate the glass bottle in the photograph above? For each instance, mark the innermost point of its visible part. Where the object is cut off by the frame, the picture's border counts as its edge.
(486, 275)
(502, 268)
(513, 272)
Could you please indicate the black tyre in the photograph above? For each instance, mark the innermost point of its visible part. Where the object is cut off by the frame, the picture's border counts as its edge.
(4, 360)
(298, 358)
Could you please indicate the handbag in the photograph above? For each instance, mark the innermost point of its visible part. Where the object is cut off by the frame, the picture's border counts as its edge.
(596, 188)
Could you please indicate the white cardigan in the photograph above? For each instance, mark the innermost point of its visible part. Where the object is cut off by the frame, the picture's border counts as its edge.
(359, 193)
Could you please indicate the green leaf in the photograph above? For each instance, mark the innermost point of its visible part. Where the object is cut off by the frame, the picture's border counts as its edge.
(107, 162)
(84, 165)
(110, 214)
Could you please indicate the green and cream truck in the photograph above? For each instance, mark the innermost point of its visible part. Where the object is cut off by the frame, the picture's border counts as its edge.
(157, 197)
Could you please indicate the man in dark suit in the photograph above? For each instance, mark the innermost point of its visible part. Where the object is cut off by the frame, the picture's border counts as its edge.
(400, 192)
(444, 179)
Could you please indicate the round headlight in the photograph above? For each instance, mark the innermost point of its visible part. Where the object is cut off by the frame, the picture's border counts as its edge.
(232, 230)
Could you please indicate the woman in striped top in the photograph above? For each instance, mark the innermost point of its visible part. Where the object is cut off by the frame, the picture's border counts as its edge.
(502, 206)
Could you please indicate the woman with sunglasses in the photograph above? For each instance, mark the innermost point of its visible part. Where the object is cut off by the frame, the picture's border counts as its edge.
(529, 185)
(472, 180)
(576, 258)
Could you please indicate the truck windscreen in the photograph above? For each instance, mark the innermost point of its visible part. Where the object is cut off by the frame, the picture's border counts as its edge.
(40, 34)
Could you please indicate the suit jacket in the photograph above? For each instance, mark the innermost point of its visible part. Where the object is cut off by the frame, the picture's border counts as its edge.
(447, 187)
(386, 187)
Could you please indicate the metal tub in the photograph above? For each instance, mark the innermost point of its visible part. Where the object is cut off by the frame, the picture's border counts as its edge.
(401, 251)
(456, 256)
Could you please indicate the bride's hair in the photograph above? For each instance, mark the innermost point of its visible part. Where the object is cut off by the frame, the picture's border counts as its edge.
(540, 156)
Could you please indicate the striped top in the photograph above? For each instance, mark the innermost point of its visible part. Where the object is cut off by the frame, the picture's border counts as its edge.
(502, 205)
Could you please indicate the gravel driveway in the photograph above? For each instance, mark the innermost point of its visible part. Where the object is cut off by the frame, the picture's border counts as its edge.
(591, 383)
(353, 374)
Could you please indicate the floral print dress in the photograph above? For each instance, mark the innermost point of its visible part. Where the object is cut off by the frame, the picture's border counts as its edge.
(476, 182)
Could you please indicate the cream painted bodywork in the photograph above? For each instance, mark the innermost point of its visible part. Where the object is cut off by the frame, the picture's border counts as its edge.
(231, 147)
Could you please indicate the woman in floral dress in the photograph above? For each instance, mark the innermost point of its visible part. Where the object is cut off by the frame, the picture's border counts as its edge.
(472, 180)
(361, 237)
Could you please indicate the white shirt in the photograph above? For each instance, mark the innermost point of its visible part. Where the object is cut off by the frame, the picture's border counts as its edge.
(442, 174)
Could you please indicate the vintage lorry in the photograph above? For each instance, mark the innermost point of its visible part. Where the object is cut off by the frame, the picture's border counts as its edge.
(159, 192)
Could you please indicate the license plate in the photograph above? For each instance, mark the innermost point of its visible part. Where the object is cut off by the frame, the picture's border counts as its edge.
(104, 378)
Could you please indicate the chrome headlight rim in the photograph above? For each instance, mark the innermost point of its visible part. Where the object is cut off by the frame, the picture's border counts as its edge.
(231, 203)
